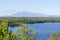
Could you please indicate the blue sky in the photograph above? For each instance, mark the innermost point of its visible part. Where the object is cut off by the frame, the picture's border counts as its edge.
(49, 7)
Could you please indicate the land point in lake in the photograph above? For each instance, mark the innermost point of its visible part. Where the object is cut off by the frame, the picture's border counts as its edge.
(15, 21)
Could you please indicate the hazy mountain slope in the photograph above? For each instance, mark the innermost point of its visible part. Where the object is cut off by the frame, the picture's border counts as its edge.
(27, 14)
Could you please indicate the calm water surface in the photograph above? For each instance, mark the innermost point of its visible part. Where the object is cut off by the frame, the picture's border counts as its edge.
(43, 30)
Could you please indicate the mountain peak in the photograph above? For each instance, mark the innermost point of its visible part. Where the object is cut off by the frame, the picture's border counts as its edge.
(28, 14)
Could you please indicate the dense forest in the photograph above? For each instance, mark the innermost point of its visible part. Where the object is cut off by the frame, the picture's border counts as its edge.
(15, 21)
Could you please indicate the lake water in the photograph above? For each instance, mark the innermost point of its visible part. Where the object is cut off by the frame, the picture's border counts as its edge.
(43, 30)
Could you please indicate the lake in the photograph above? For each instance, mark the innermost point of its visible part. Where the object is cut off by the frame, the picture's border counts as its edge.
(43, 30)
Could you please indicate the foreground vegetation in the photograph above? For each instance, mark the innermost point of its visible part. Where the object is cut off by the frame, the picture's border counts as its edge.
(15, 21)
(23, 33)
(55, 36)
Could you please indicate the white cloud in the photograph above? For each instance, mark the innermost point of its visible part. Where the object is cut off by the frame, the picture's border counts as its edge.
(7, 12)
(44, 11)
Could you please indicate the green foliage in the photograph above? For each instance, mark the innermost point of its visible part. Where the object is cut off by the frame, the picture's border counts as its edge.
(24, 33)
(55, 36)
(15, 21)
(4, 31)
(14, 36)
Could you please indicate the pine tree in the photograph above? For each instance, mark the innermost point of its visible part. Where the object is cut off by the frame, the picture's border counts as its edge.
(4, 31)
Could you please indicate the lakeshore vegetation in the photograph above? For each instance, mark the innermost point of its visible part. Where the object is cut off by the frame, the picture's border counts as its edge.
(23, 32)
(15, 21)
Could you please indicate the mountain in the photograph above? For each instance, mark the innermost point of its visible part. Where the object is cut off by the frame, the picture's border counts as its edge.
(28, 14)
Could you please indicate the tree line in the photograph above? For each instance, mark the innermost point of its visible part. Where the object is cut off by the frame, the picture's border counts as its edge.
(15, 21)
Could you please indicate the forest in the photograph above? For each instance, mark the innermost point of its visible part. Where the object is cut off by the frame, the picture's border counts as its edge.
(15, 21)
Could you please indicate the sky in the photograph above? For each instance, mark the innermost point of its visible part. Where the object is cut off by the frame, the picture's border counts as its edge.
(49, 7)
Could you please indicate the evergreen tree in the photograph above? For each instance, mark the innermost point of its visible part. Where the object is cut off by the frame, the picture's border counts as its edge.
(4, 31)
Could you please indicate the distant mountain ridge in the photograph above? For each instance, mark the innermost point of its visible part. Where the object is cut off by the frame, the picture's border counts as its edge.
(28, 14)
